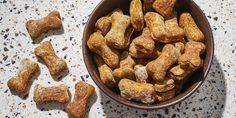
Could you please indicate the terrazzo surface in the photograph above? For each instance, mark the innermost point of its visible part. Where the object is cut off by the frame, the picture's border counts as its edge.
(215, 98)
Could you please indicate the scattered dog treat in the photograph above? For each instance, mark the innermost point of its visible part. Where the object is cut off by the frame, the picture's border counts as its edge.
(27, 69)
(142, 92)
(193, 33)
(37, 27)
(97, 44)
(51, 94)
(77, 107)
(136, 15)
(46, 52)
(105, 72)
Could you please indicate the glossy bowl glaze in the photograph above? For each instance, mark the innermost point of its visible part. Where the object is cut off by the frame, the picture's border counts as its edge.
(194, 81)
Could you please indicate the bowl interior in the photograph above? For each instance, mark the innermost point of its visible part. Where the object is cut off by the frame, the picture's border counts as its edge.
(194, 81)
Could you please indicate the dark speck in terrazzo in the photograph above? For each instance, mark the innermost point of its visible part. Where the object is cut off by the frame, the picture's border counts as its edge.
(82, 78)
(5, 49)
(215, 18)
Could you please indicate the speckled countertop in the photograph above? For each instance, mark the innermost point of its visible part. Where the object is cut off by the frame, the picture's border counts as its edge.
(215, 98)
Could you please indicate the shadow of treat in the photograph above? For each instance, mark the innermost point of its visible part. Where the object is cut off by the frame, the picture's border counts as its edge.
(25, 95)
(207, 101)
(48, 34)
(61, 75)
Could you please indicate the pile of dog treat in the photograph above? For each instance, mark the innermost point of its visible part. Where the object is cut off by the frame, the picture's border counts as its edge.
(55, 65)
(148, 55)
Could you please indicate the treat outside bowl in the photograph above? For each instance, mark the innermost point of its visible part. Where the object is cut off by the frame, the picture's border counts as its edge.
(194, 81)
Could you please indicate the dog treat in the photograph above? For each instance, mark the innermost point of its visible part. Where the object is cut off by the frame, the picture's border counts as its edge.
(51, 94)
(164, 96)
(156, 24)
(103, 25)
(116, 36)
(193, 33)
(164, 31)
(191, 57)
(27, 69)
(136, 15)
(164, 7)
(137, 54)
(180, 47)
(77, 107)
(46, 52)
(173, 32)
(157, 68)
(165, 85)
(37, 27)
(97, 44)
(105, 72)
(179, 75)
(144, 43)
(142, 92)
(140, 73)
(126, 68)
(147, 4)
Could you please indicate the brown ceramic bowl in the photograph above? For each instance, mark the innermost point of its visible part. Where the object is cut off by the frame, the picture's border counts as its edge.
(193, 83)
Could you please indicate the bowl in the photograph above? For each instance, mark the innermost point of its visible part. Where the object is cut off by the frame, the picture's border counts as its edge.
(193, 82)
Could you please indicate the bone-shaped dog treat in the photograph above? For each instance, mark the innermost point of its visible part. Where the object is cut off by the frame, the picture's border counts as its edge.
(103, 25)
(157, 68)
(173, 32)
(164, 96)
(193, 33)
(156, 24)
(179, 75)
(116, 36)
(27, 69)
(142, 92)
(57, 93)
(126, 69)
(77, 107)
(165, 32)
(37, 27)
(164, 7)
(97, 44)
(105, 72)
(140, 73)
(46, 52)
(191, 57)
(136, 14)
(147, 4)
(145, 43)
(143, 46)
(166, 85)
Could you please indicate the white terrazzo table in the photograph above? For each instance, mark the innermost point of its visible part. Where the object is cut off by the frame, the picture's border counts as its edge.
(215, 98)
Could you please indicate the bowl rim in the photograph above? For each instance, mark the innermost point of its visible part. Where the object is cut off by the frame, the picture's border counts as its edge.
(187, 95)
